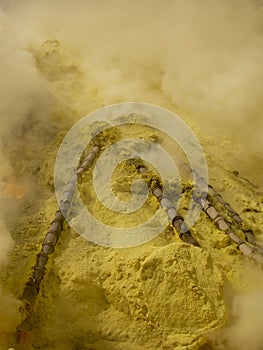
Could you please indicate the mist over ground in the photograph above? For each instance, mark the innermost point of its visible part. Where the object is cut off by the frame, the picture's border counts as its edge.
(203, 59)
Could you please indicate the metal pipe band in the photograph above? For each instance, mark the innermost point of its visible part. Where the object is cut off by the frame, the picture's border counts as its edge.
(158, 193)
(233, 236)
(221, 223)
(42, 259)
(236, 217)
(171, 212)
(58, 221)
(50, 239)
(245, 249)
(47, 248)
(165, 202)
(59, 216)
(38, 274)
(55, 226)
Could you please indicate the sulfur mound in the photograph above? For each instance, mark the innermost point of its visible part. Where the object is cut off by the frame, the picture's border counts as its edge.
(183, 289)
(176, 287)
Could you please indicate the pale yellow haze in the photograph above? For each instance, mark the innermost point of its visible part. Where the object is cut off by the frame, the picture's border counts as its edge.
(202, 59)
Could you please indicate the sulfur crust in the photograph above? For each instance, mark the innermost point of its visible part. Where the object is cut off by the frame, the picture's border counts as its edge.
(162, 295)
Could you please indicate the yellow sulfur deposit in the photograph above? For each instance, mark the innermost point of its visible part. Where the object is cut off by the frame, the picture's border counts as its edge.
(164, 294)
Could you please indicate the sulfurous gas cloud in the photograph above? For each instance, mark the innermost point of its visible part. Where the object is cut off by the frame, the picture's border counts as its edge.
(202, 58)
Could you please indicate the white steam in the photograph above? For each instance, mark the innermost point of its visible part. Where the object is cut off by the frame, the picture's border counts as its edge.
(202, 57)
(246, 318)
(205, 57)
(22, 94)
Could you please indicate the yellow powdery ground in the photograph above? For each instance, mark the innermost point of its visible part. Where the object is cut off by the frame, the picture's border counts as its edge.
(161, 295)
